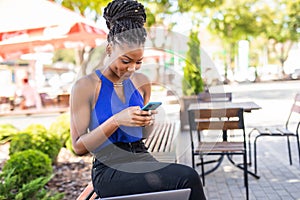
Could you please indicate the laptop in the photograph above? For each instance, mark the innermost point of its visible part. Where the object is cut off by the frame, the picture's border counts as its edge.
(180, 194)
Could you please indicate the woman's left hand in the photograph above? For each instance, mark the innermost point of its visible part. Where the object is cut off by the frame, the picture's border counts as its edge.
(134, 116)
(151, 114)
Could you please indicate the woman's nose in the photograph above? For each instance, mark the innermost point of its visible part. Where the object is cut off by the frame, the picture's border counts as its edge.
(131, 68)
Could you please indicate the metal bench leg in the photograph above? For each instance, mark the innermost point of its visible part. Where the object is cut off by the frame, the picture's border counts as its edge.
(289, 150)
(298, 145)
(255, 154)
(193, 159)
(202, 170)
(246, 174)
(249, 144)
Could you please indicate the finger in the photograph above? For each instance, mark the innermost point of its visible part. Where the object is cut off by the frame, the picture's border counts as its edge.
(151, 122)
(153, 112)
(137, 111)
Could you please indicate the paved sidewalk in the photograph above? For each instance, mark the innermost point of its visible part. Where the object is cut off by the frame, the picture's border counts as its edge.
(278, 179)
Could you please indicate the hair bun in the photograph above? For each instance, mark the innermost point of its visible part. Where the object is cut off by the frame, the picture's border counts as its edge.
(119, 11)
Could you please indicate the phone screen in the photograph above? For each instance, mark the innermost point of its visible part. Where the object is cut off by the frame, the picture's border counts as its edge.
(151, 106)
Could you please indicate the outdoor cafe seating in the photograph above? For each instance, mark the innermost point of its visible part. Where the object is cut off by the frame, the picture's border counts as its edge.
(286, 131)
(206, 129)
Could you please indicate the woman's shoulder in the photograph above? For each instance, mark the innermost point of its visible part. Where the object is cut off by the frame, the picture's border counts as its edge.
(87, 82)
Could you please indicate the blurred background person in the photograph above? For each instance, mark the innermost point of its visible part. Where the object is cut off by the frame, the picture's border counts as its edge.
(30, 98)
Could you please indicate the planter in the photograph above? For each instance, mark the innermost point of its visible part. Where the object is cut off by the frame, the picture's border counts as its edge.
(185, 101)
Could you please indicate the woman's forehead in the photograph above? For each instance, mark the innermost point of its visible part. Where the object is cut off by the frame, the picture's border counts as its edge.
(130, 51)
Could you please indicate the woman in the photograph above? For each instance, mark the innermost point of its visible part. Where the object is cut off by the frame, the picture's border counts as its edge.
(107, 120)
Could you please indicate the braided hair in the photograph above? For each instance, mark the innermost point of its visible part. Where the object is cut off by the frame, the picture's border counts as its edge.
(125, 20)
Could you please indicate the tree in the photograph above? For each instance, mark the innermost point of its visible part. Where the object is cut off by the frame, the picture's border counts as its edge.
(91, 9)
(198, 5)
(234, 22)
(282, 28)
(192, 84)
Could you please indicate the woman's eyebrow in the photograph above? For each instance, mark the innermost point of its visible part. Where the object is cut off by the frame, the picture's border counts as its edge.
(127, 57)
(131, 58)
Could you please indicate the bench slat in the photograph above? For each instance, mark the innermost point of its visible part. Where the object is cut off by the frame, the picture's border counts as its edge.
(164, 133)
(170, 140)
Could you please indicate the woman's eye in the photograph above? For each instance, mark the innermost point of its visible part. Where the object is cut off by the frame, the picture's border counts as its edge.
(125, 61)
(139, 62)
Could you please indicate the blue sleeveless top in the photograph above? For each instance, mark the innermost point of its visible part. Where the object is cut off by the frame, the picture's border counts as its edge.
(108, 104)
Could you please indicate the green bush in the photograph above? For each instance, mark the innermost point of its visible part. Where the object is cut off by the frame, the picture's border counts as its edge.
(36, 129)
(36, 136)
(32, 190)
(7, 131)
(69, 145)
(20, 142)
(61, 127)
(28, 165)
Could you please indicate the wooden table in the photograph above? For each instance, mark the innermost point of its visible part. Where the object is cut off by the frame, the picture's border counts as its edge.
(248, 106)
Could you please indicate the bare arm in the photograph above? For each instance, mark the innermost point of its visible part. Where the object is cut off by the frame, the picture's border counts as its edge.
(81, 104)
(82, 98)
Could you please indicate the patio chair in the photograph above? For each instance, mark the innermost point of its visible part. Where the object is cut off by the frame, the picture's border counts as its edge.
(284, 131)
(215, 120)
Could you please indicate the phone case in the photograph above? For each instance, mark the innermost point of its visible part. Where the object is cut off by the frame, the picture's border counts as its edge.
(151, 106)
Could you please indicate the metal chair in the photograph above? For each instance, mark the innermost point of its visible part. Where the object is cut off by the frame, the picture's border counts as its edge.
(284, 131)
(210, 121)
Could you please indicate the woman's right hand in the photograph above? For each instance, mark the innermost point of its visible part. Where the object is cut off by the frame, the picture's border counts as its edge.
(134, 116)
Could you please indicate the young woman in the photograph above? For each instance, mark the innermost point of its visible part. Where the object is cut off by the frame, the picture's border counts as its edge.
(107, 120)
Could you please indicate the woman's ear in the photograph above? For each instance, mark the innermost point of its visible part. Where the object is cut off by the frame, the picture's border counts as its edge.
(108, 49)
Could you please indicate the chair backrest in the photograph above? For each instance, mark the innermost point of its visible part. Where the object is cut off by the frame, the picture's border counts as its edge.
(215, 119)
(295, 109)
(214, 97)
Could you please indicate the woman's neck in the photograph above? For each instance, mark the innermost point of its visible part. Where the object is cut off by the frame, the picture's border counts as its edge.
(109, 74)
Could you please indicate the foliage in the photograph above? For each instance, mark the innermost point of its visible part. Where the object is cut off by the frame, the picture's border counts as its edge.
(192, 84)
(28, 165)
(69, 145)
(36, 136)
(91, 8)
(36, 129)
(8, 184)
(7, 131)
(61, 127)
(198, 5)
(32, 190)
(235, 22)
(20, 142)
(282, 28)
(64, 55)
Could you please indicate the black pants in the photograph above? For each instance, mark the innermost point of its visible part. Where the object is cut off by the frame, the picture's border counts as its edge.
(123, 169)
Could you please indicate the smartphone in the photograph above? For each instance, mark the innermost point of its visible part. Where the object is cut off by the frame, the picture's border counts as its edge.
(151, 106)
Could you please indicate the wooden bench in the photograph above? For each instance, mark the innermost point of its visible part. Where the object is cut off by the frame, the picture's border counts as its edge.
(160, 143)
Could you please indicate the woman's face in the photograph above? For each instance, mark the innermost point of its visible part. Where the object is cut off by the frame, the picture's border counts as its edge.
(126, 61)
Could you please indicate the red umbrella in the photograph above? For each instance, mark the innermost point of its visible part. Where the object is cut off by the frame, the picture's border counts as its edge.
(40, 25)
